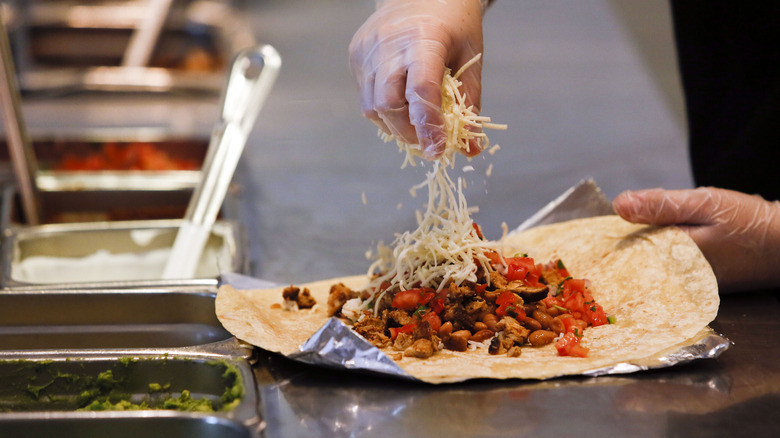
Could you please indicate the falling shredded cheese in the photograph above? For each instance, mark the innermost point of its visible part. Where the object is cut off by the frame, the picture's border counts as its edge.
(446, 246)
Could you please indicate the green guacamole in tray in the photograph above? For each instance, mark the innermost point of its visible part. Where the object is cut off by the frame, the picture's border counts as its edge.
(119, 384)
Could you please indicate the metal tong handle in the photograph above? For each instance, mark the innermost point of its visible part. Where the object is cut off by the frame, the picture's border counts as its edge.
(250, 80)
(22, 154)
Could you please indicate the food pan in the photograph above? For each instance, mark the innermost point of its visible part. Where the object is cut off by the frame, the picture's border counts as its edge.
(106, 255)
(64, 46)
(102, 175)
(100, 319)
(122, 425)
(153, 392)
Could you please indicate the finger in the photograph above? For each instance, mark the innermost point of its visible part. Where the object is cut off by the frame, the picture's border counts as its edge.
(368, 107)
(666, 207)
(390, 101)
(423, 92)
(365, 78)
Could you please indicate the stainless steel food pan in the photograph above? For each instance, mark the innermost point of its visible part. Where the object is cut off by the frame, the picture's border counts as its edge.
(106, 255)
(64, 46)
(100, 319)
(122, 425)
(128, 393)
(114, 174)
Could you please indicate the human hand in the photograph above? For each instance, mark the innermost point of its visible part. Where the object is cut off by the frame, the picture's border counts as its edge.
(739, 234)
(398, 58)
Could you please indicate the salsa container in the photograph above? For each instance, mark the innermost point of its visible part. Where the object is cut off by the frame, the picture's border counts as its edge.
(69, 192)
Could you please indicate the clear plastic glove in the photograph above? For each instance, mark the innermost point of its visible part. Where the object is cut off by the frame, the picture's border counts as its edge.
(739, 234)
(398, 58)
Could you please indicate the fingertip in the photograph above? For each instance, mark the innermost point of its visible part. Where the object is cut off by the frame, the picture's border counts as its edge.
(380, 124)
(622, 204)
(433, 148)
(633, 205)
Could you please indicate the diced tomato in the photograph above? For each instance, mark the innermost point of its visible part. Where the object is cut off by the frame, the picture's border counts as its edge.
(564, 344)
(426, 297)
(551, 301)
(573, 324)
(525, 269)
(506, 297)
(502, 309)
(438, 305)
(494, 258)
(480, 288)
(568, 345)
(595, 314)
(575, 285)
(433, 319)
(575, 301)
(578, 350)
(507, 302)
(562, 271)
(478, 229)
(406, 299)
(410, 299)
(568, 322)
(408, 328)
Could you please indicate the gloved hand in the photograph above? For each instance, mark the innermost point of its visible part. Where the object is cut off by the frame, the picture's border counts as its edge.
(739, 234)
(398, 58)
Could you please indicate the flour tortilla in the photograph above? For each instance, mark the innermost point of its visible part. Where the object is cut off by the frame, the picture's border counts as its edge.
(655, 281)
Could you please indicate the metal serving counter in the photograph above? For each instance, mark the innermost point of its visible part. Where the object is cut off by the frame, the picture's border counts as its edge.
(736, 395)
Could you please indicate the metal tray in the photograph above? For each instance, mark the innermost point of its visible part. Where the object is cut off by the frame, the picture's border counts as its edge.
(50, 393)
(110, 195)
(107, 255)
(57, 348)
(81, 319)
(65, 46)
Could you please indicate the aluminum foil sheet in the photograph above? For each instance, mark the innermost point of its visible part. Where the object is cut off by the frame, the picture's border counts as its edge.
(335, 345)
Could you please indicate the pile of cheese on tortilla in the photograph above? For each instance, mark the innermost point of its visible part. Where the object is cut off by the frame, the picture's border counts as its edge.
(445, 247)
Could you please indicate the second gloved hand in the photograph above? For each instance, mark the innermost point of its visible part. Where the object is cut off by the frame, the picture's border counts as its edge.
(739, 234)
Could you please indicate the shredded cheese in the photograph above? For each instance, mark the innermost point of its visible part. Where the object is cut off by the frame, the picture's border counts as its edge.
(445, 247)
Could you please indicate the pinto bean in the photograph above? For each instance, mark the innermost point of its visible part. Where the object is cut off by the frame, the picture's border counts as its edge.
(540, 338)
(544, 319)
(458, 341)
(479, 326)
(531, 324)
(482, 335)
(491, 321)
(553, 311)
(445, 330)
(556, 325)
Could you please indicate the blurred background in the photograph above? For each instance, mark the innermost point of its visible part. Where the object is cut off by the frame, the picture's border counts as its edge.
(588, 89)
